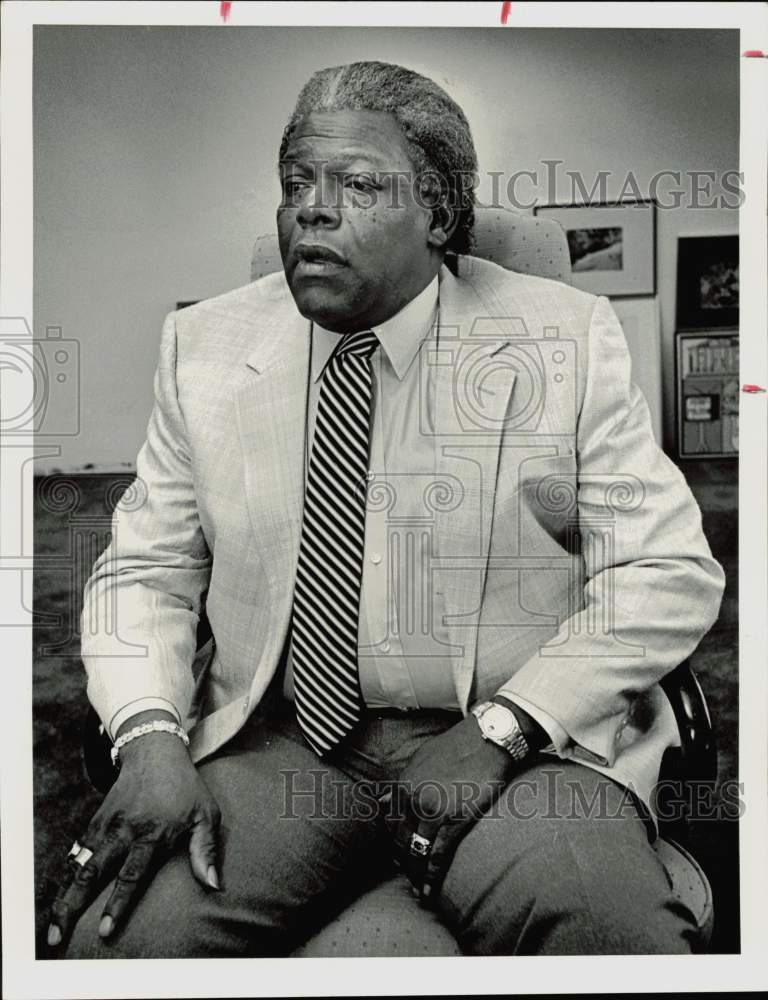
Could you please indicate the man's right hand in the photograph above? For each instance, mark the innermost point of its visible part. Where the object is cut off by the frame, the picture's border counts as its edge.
(158, 800)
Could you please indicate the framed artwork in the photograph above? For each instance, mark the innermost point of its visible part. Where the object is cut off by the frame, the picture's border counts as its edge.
(707, 394)
(612, 245)
(707, 282)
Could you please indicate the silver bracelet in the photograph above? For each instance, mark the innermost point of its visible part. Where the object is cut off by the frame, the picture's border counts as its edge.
(157, 726)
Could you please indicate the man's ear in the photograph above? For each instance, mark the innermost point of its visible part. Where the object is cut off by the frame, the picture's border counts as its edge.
(442, 226)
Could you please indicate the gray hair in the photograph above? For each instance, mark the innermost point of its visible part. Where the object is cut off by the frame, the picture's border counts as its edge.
(436, 129)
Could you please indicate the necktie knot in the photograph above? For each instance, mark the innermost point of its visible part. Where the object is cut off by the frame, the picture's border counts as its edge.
(361, 344)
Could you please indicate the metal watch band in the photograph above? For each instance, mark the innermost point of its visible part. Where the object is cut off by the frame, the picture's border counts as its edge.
(516, 744)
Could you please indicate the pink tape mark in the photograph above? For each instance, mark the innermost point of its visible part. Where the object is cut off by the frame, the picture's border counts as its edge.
(752, 388)
(505, 8)
(754, 54)
(224, 8)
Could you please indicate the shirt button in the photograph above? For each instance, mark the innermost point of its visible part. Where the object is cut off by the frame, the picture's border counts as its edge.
(385, 647)
(376, 558)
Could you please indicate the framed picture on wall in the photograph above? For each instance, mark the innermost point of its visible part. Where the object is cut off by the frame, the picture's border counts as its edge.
(612, 245)
(707, 282)
(707, 394)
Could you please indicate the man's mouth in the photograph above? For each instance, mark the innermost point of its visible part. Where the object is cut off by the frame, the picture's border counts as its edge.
(317, 258)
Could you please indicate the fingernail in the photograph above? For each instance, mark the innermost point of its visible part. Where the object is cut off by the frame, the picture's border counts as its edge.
(106, 926)
(54, 935)
(213, 878)
(426, 890)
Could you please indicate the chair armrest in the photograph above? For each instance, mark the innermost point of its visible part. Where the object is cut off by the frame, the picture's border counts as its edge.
(95, 753)
(698, 751)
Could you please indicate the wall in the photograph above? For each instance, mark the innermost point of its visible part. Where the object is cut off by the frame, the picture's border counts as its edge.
(155, 150)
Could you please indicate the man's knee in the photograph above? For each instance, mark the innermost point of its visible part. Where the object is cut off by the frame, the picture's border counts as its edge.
(172, 919)
(553, 880)
(555, 898)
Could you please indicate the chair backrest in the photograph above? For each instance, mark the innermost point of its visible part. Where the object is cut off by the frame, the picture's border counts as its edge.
(522, 243)
(518, 242)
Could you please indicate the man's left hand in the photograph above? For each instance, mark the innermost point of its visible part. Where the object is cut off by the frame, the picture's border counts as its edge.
(450, 781)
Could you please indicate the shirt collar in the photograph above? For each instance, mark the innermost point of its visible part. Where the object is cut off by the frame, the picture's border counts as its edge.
(400, 336)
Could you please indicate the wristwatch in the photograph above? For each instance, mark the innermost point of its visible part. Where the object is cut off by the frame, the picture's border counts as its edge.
(499, 725)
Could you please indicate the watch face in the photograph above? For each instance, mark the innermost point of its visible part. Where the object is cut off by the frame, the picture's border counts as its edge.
(499, 722)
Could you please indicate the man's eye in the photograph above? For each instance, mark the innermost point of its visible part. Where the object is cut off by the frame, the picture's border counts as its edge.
(292, 186)
(361, 182)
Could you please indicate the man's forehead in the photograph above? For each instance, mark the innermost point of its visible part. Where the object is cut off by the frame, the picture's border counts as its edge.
(351, 134)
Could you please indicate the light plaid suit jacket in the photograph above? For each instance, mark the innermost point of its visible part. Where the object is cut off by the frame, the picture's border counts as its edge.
(570, 568)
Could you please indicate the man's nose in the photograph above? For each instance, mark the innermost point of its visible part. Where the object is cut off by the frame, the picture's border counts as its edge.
(319, 207)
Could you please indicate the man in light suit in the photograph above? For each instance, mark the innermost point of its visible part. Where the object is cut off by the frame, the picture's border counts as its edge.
(444, 564)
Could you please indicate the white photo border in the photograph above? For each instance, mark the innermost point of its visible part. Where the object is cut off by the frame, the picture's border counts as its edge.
(26, 977)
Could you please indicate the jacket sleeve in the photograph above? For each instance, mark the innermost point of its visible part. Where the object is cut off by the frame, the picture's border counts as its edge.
(142, 602)
(651, 588)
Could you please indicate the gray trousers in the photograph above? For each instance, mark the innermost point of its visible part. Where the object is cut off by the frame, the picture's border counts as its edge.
(561, 866)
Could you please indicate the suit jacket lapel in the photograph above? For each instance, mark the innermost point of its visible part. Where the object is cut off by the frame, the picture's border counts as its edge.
(271, 415)
(474, 376)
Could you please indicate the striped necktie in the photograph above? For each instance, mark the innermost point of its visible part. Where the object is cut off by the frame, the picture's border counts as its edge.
(326, 603)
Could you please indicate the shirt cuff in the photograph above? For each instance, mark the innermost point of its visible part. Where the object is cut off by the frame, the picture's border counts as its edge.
(140, 705)
(558, 736)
